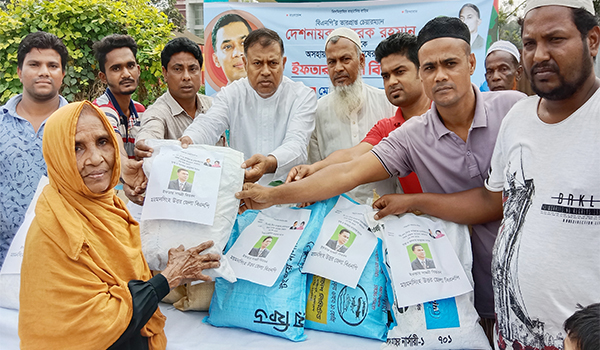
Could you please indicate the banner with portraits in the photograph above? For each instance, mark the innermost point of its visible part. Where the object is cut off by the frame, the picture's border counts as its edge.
(304, 27)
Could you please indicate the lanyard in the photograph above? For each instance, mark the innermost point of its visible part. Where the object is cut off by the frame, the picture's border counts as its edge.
(122, 116)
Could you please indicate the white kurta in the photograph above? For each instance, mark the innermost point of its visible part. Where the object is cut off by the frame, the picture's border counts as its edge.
(333, 133)
(279, 125)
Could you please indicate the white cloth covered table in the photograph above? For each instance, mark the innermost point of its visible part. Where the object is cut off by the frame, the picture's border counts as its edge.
(185, 330)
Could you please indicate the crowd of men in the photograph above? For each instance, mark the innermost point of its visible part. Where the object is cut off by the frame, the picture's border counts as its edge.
(513, 168)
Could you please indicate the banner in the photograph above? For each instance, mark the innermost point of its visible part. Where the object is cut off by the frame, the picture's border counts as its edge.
(304, 27)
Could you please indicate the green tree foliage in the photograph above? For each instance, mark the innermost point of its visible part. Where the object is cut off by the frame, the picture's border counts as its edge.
(79, 23)
(168, 8)
(508, 27)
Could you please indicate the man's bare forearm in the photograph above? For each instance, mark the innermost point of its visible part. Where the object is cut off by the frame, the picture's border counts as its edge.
(330, 181)
(343, 155)
(471, 207)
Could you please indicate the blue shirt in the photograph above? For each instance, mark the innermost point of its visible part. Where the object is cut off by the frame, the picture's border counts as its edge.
(21, 167)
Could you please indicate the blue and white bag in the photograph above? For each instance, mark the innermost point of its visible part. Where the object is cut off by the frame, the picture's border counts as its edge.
(278, 310)
(362, 311)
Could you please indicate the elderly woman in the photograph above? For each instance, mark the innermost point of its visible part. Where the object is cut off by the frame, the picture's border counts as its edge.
(84, 281)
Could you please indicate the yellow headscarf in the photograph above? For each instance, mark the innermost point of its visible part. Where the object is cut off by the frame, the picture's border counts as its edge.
(81, 251)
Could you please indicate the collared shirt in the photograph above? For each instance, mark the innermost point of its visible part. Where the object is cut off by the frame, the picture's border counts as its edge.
(21, 167)
(166, 119)
(409, 183)
(333, 132)
(279, 125)
(447, 164)
(116, 117)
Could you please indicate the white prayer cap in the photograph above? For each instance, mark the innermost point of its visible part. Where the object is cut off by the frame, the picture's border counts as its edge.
(506, 46)
(588, 5)
(344, 33)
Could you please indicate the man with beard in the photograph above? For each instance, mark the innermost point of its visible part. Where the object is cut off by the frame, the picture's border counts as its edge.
(397, 55)
(269, 116)
(502, 68)
(41, 62)
(121, 73)
(449, 147)
(544, 179)
(346, 114)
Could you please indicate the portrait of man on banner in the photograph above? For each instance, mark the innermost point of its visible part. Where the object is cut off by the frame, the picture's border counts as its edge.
(224, 48)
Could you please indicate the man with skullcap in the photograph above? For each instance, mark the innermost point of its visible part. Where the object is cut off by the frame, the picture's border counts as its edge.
(350, 110)
(502, 67)
(544, 180)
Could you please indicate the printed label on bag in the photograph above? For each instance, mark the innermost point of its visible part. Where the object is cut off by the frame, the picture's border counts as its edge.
(316, 306)
(441, 314)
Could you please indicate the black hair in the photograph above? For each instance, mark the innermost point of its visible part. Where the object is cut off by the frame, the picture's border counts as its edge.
(415, 245)
(264, 37)
(471, 6)
(225, 20)
(583, 327)
(584, 21)
(182, 169)
(109, 43)
(344, 230)
(271, 237)
(178, 45)
(42, 40)
(402, 43)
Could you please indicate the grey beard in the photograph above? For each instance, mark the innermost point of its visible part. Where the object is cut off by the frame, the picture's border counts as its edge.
(347, 98)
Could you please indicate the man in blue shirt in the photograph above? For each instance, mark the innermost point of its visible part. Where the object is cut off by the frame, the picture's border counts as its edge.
(41, 59)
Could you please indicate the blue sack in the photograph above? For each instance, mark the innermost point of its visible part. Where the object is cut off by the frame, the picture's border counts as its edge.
(278, 310)
(362, 311)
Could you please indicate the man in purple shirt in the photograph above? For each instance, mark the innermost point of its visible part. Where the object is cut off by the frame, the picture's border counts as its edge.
(449, 147)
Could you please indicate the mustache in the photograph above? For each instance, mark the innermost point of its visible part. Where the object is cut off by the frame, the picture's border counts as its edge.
(128, 80)
(441, 86)
(341, 75)
(545, 66)
(396, 88)
(43, 79)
